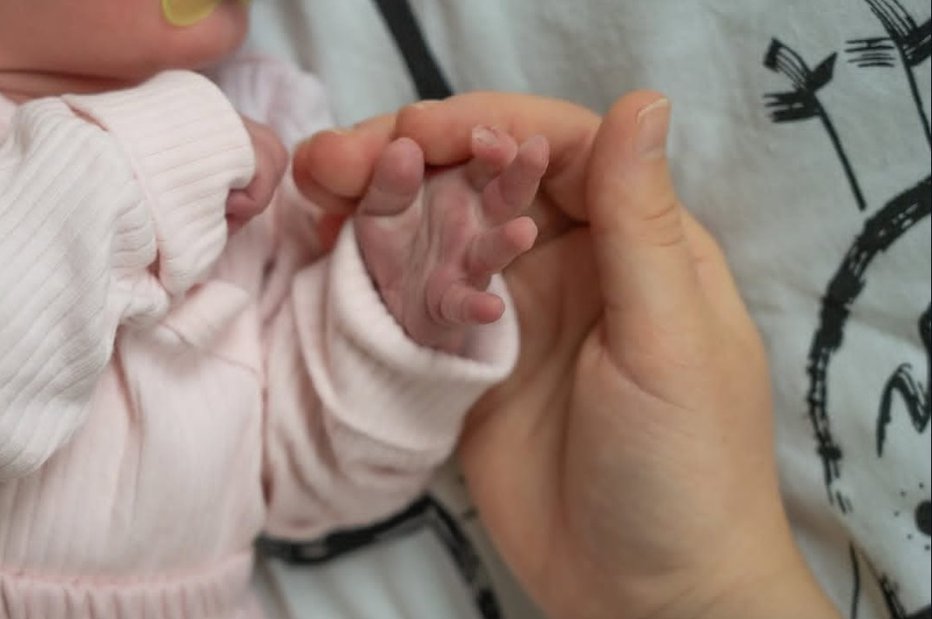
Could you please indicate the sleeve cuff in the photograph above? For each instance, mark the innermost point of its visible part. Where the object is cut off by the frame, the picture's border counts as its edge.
(188, 148)
(384, 385)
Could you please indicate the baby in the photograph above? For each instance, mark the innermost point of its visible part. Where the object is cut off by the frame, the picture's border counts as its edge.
(182, 365)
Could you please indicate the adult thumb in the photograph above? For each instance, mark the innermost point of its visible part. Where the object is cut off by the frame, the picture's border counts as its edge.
(646, 271)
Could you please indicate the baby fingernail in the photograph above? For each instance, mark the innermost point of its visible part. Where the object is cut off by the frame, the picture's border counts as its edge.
(485, 135)
(653, 121)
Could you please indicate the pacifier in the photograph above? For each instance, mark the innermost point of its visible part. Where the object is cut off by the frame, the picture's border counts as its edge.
(189, 12)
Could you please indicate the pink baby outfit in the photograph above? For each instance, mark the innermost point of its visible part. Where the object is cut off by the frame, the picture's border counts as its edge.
(166, 393)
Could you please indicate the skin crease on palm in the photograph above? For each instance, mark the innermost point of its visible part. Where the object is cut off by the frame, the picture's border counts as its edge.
(470, 229)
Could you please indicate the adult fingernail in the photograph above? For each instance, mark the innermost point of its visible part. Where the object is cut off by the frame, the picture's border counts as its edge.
(652, 123)
(426, 103)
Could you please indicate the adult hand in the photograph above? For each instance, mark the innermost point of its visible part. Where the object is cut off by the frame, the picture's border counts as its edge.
(334, 168)
(626, 468)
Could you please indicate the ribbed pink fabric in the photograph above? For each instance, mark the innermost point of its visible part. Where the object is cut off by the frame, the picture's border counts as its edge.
(167, 393)
(220, 591)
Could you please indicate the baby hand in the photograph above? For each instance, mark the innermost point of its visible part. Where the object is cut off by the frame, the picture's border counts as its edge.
(432, 246)
(271, 161)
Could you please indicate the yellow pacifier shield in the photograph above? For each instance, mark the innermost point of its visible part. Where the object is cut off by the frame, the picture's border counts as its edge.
(187, 12)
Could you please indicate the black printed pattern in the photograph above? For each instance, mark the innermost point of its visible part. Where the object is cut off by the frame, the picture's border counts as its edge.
(425, 513)
(901, 45)
(905, 46)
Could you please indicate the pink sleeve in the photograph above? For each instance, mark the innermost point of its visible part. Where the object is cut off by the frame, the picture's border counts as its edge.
(359, 416)
(109, 205)
(188, 148)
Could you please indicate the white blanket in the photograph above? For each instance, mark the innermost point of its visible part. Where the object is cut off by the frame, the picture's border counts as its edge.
(801, 138)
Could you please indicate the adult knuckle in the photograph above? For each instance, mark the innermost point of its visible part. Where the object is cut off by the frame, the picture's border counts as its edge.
(660, 223)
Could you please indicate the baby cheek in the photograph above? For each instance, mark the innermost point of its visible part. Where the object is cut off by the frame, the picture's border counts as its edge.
(218, 32)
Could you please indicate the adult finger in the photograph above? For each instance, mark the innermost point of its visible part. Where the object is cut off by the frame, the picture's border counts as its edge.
(334, 167)
(444, 130)
(646, 270)
(325, 199)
